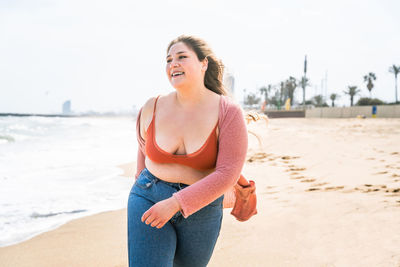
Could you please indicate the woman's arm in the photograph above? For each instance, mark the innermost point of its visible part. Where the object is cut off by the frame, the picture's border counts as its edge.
(141, 122)
(141, 147)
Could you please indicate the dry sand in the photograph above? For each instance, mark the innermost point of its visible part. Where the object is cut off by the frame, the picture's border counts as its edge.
(328, 195)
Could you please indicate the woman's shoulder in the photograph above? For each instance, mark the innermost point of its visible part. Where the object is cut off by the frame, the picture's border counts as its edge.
(146, 114)
(230, 107)
(230, 112)
(148, 107)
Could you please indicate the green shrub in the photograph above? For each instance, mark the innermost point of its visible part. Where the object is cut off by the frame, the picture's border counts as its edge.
(366, 101)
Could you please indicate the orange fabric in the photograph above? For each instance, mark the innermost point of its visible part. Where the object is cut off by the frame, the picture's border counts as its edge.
(246, 201)
(203, 159)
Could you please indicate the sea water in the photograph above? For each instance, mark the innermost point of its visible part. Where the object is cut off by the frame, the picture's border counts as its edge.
(55, 169)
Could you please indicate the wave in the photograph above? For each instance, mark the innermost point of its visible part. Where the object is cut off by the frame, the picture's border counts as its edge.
(38, 215)
(8, 138)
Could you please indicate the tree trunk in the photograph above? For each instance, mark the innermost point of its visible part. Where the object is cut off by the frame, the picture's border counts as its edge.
(395, 88)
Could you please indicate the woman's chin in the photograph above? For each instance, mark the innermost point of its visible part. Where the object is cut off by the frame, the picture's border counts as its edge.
(178, 85)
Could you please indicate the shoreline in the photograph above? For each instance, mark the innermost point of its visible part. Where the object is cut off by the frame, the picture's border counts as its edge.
(128, 172)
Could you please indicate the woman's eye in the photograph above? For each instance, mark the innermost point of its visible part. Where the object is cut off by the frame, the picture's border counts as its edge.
(169, 60)
(180, 57)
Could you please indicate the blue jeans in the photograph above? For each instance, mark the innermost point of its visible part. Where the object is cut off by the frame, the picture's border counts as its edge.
(180, 242)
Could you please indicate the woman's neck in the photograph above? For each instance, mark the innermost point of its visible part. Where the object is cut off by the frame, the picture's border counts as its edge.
(192, 98)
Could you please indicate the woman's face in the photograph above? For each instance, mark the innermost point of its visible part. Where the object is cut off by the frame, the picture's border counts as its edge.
(183, 67)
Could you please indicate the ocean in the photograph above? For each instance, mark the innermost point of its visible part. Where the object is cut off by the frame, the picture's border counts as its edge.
(55, 169)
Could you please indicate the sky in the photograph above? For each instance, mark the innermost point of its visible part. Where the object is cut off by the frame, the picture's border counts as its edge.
(110, 55)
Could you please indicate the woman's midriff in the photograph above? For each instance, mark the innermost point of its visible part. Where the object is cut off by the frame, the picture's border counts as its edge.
(175, 173)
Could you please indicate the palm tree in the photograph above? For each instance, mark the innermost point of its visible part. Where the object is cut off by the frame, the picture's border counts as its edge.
(395, 70)
(333, 98)
(304, 82)
(352, 91)
(265, 91)
(290, 85)
(369, 78)
(319, 101)
(251, 99)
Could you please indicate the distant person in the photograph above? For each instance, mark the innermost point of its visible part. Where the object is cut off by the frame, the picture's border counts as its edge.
(192, 147)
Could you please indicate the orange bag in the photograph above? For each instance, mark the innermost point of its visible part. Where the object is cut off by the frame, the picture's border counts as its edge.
(243, 199)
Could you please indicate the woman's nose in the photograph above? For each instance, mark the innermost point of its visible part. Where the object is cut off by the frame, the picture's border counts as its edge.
(174, 63)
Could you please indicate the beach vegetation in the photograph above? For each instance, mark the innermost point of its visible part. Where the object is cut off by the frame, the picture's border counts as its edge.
(333, 97)
(290, 86)
(265, 91)
(395, 70)
(319, 101)
(352, 90)
(366, 101)
(279, 97)
(251, 100)
(369, 80)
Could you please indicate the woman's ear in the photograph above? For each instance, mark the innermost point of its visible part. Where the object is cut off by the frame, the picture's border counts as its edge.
(205, 64)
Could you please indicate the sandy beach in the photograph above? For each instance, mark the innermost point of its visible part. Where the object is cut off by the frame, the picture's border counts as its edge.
(328, 195)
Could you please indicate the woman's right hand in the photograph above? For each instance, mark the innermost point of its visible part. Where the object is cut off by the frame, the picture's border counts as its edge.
(161, 212)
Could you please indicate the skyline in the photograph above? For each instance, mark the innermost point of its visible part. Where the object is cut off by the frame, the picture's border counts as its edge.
(106, 57)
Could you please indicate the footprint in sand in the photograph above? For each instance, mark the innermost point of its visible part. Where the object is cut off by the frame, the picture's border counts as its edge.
(370, 158)
(289, 157)
(333, 188)
(394, 175)
(313, 189)
(394, 192)
(319, 184)
(296, 169)
(391, 166)
(307, 180)
(257, 157)
(394, 153)
(297, 177)
(382, 172)
(367, 188)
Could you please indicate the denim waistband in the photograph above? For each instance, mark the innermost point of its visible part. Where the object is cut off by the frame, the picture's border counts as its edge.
(155, 179)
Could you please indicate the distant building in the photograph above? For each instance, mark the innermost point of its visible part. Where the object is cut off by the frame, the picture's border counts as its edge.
(229, 83)
(66, 107)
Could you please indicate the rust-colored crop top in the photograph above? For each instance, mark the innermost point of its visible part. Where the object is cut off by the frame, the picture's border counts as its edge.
(203, 159)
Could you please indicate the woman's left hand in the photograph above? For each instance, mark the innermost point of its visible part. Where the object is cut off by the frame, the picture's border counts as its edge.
(161, 212)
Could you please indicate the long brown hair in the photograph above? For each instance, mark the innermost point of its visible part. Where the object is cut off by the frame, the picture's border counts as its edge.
(215, 70)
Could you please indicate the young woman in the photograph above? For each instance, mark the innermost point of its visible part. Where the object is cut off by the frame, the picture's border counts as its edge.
(192, 147)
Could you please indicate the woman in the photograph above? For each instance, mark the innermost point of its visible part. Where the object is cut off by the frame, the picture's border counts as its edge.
(192, 147)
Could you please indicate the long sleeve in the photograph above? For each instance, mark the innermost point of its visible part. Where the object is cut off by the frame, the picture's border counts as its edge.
(140, 165)
(232, 148)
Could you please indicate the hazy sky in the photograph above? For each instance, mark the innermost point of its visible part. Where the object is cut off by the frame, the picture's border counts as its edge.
(110, 55)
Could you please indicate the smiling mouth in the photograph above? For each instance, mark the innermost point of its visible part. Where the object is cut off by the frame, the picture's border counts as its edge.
(176, 74)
